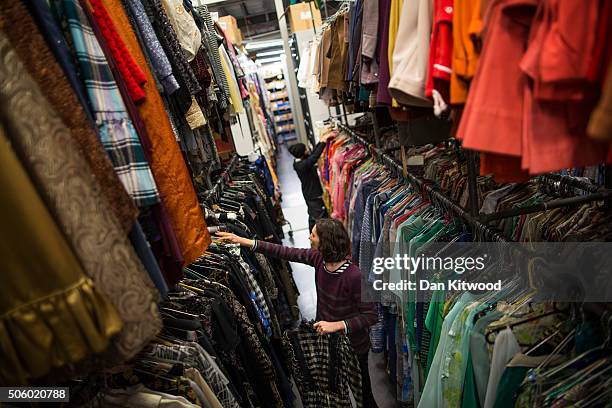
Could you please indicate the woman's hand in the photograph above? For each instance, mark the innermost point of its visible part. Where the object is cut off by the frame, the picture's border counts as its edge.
(326, 137)
(323, 327)
(234, 239)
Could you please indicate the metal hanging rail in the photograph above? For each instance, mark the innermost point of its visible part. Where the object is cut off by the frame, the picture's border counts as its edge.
(480, 220)
(428, 189)
(549, 205)
(571, 182)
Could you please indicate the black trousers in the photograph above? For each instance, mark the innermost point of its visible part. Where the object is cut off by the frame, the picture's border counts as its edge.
(366, 385)
(316, 211)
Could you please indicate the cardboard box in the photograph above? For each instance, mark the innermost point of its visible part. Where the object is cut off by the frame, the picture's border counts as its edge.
(301, 16)
(230, 26)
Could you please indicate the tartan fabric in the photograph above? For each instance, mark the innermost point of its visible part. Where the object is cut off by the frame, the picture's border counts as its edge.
(256, 294)
(252, 342)
(114, 127)
(324, 367)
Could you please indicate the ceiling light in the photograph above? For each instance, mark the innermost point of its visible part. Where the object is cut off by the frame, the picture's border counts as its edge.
(268, 60)
(268, 53)
(257, 45)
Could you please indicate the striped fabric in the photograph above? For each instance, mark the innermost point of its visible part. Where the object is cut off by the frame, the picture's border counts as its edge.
(210, 41)
(324, 367)
(341, 269)
(193, 355)
(115, 128)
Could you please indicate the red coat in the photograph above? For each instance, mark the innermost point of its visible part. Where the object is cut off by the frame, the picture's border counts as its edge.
(441, 50)
(532, 94)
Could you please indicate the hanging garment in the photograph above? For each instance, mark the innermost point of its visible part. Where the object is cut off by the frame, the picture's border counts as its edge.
(440, 50)
(168, 38)
(369, 41)
(325, 368)
(28, 42)
(411, 54)
(303, 74)
(544, 115)
(51, 313)
(167, 162)
(157, 56)
(184, 26)
(115, 128)
(600, 124)
(70, 191)
(467, 26)
(324, 59)
(558, 100)
(59, 46)
(315, 55)
(128, 69)
(382, 54)
(338, 55)
(495, 104)
(505, 348)
(213, 54)
(228, 69)
(194, 355)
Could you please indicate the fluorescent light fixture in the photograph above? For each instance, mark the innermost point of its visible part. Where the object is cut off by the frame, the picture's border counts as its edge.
(257, 45)
(268, 60)
(268, 53)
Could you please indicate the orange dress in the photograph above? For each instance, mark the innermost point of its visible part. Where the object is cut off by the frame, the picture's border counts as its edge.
(169, 168)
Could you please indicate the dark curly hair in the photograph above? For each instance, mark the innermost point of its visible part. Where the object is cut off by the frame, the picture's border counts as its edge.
(334, 242)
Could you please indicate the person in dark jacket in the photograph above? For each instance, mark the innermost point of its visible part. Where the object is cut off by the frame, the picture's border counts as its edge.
(305, 166)
(340, 307)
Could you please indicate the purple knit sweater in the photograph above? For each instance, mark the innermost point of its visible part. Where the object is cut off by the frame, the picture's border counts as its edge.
(338, 295)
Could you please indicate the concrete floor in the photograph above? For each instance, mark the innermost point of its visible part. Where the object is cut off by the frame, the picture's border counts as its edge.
(294, 208)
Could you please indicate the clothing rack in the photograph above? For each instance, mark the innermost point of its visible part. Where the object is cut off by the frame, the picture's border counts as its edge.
(435, 195)
(596, 193)
(216, 189)
(562, 202)
(570, 182)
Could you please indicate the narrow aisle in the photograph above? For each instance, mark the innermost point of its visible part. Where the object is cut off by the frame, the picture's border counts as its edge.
(295, 210)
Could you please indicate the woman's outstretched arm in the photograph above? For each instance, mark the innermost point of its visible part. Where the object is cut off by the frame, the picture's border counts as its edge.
(301, 255)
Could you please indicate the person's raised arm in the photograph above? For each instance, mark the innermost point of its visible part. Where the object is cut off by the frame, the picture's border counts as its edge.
(300, 255)
(312, 159)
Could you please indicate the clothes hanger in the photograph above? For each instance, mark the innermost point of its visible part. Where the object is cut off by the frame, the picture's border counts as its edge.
(179, 312)
(583, 376)
(519, 323)
(604, 390)
(602, 347)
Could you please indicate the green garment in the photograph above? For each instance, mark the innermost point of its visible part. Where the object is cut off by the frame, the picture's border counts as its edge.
(432, 395)
(415, 243)
(405, 231)
(459, 352)
(433, 323)
(470, 395)
(509, 386)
